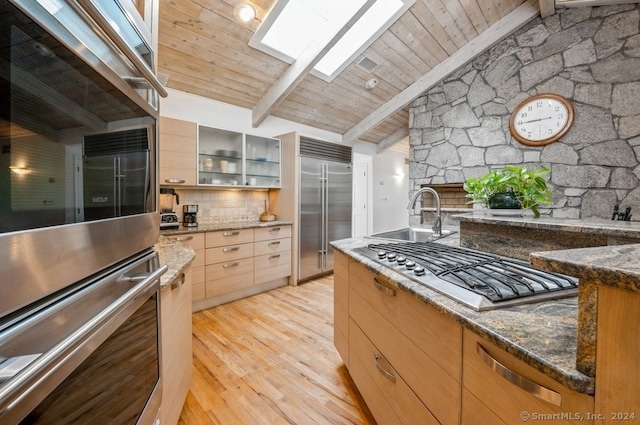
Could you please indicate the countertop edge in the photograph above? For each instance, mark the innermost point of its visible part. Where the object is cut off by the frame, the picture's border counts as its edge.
(177, 256)
(571, 378)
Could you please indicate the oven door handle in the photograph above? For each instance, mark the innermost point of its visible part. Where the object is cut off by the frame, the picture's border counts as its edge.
(34, 382)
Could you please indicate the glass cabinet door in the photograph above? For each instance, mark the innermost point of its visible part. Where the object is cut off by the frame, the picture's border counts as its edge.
(219, 157)
(262, 161)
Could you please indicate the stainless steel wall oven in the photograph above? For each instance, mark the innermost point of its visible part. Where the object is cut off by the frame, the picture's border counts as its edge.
(79, 280)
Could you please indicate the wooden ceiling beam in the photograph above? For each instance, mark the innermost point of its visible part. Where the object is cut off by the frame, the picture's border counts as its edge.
(547, 8)
(298, 70)
(505, 26)
(392, 139)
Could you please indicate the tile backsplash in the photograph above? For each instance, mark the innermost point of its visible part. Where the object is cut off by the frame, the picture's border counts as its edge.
(223, 206)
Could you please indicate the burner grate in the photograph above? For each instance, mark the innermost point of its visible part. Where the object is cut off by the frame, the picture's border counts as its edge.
(496, 278)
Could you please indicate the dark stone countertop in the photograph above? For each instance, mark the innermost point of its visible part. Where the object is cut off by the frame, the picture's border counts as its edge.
(223, 226)
(543, 335)
(596, 226)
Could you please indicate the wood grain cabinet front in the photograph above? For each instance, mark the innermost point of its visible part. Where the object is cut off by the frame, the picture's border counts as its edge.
(177, 156)
(423, 346)
(196, 242)
(508, 391)
(176, 346)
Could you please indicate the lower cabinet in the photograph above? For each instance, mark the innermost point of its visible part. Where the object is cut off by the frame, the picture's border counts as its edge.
(196, 242)
(505, 390)
(414, 365)
(243, 262)
(401, 351)
(177, 360)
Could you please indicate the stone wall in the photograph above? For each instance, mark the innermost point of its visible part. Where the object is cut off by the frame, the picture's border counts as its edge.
(460, 128)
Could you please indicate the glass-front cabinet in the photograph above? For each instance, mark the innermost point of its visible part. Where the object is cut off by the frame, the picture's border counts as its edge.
(229, 158)
(263, 161)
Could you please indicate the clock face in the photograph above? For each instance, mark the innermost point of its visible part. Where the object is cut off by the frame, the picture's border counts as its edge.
(541, 119)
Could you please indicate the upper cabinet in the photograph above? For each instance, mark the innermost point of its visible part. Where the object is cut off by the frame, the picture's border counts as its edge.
(177, 152)
(228, 158)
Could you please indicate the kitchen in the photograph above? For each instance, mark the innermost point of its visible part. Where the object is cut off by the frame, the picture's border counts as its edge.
(586, 54)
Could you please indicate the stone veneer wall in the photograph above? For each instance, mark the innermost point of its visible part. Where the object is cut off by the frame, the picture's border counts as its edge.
(591, 55)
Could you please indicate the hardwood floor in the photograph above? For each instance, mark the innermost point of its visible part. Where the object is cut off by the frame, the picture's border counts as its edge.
(270, 359)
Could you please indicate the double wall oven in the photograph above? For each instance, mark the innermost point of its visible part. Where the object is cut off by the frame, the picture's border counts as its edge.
(79, 278)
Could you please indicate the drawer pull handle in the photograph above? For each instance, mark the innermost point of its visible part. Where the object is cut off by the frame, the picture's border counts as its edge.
(182, 238)
(384, 289)
(229, 265)
(274, 256)
(230, 233)
(274, 229)
(174, 181)
(532, 388)
(379, 359)
(235, 248)
(178, 282)
(274, 243)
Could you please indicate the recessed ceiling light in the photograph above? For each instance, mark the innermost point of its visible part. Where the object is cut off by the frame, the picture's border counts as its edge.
(244, 12)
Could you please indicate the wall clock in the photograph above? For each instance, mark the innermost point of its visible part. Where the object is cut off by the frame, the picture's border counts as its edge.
(541, 119)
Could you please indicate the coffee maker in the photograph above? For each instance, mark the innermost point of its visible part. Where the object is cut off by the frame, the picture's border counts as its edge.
(189, 215)
(168, 217)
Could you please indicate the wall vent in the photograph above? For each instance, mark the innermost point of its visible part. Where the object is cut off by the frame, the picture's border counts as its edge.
(367, 64)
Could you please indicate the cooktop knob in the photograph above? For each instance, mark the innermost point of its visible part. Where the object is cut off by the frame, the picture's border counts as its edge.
(419, 271)
(401, 260)
(391, 257)
(382, 254)
(410, 265)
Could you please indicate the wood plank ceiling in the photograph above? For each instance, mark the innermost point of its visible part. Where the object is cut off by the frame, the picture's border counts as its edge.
(205, 52)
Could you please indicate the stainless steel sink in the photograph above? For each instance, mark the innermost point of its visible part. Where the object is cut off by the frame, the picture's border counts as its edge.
(413, 234)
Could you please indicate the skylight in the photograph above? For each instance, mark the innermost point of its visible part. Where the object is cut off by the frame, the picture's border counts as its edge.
(293, 25)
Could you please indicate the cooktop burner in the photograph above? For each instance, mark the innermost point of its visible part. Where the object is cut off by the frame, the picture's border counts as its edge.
(479, 280)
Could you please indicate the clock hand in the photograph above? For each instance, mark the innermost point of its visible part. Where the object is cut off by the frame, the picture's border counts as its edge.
(539, 119)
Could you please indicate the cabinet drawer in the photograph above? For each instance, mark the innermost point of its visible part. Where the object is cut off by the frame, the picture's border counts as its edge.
(435, 334)
(275, 232)
(388, 396)
(228, 253)
(272, 246)
(229, 268)
(272, 266)
(198, 279)
(418, 369)
(229, 283)
(196, 242)
(228, 237)
(508, 400)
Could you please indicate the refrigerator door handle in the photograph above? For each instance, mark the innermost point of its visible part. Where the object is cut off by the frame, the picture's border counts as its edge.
(325, 213)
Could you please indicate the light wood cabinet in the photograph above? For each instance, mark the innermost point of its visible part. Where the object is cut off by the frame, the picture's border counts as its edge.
(243, 262)
(196, 242)
(396, 348)
(617, 395)
(176, 346)
(341, 305)
(177, 156)
(494, 382)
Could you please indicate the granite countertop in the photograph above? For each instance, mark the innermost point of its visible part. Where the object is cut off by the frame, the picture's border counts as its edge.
(223, 226)
(176, 255)
(543, 335)
(596, 226)
(613, 265)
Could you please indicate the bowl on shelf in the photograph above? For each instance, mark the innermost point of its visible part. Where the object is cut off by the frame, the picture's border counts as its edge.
(227, 153)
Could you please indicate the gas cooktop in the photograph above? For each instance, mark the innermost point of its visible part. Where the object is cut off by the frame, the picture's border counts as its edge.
(479, 280)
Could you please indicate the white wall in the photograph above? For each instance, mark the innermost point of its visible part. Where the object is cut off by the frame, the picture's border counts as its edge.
(389, 188)
(189, 107)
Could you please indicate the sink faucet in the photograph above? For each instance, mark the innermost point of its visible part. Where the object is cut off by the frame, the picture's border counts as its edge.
(437, 228)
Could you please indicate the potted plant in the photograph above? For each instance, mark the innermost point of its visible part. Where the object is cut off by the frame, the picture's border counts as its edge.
(511, 187)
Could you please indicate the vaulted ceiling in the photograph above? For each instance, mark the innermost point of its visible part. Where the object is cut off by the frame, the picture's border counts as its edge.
(204, 51)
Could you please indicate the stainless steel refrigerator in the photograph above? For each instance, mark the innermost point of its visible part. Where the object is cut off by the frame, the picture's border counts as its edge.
(325, 204)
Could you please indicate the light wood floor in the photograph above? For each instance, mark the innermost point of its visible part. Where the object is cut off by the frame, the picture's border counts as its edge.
(270, 359)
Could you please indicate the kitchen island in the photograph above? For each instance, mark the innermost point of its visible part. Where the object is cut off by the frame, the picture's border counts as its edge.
(536, 341)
